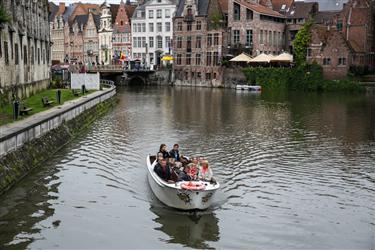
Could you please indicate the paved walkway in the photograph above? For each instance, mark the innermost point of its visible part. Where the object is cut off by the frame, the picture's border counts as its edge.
(14, 127)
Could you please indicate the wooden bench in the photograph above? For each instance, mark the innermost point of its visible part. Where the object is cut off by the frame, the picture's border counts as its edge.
(76, 92)
(46, 102)
(24, 110)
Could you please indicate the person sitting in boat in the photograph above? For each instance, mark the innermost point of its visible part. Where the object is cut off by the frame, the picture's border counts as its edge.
(193, 171)
(184, 175)
(205, 172)
(163, 150)
(175, 171)
(159, 157)
(163, 171)
(175, 153)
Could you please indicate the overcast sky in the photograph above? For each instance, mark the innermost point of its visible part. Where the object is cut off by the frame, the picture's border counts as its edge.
(323, 4)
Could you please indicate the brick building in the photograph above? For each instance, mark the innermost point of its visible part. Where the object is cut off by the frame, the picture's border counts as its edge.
(91, 24)
(25, 48)
(122, 36)
(296, 16)
(199, 36)
(354, 24)
(329, 49)
(255, 28)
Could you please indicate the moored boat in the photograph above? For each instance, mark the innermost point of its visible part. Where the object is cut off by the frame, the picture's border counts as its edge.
(184, 195)
(253, 88)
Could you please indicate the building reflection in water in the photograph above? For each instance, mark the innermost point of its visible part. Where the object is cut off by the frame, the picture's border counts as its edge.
(27, 205)
(190, 229)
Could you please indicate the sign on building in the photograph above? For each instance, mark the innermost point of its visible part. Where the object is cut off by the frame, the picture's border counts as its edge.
(91, 81)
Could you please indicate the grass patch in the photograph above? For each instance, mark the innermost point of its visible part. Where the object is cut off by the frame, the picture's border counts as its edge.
(35, 102)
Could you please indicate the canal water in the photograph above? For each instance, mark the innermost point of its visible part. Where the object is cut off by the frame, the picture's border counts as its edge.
(297, 171)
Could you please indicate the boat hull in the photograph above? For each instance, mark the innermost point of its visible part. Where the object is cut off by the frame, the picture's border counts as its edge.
(174, 196)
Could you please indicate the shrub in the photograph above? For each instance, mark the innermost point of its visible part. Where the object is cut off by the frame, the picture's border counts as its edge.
(305, 78)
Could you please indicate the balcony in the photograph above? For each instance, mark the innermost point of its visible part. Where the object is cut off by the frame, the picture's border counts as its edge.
(189, 18)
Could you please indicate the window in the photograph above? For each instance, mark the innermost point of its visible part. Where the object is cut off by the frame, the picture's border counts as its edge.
(159, 27)
(198, 59)
(151, 41)
(16, 61)
(339, 25)
(1, 48)
(188, 59)
(158, 13)
(167, 13)
(249, 14)
(151, 27)
(24, 54)
(151, 14)
(188, 27)
(274, 43)
(249, 37)
(326, 61)
(342, 61)
(236, 36)
(179, 26)
(198, 42)
(151, 58)
(178, 59)
(135, 40)
(143, 27)
(32, 60)
(309, 52)
(143, 42)
(179, 42)
(199, 25)
(216, 58)
(188, 43)
(208, 61)
(38, 55)
(167, 42)
(208, 76)
(159, 40)
(6, 53)
(167, 26)
(261, 37)
(216, 39)
(236, 12)
(209, 39)
(269, 38)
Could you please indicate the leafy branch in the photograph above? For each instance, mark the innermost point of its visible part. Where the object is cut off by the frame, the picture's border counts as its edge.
(4, 16)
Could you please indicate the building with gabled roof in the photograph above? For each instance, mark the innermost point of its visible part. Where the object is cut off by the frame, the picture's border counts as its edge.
(122, 37)
(200, 38)
(255, 28)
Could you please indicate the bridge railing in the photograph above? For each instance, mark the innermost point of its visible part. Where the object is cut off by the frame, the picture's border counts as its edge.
(106, 68)
(107, 83)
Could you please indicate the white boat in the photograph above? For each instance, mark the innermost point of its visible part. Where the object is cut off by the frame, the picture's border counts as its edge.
(255, 88)
(176, 195)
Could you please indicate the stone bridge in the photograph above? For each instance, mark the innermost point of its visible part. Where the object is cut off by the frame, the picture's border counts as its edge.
(124, 76)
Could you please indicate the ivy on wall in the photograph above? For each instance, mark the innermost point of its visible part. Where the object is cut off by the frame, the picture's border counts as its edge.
(301, 43)
(4, 16)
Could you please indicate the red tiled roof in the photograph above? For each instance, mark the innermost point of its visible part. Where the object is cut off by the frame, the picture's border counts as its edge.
(276, 4)
(61, 9)
(260, 9)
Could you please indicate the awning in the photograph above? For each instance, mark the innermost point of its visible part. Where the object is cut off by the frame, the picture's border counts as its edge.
(284, 57)
(167, 58)
(241, 58)
(262, 58)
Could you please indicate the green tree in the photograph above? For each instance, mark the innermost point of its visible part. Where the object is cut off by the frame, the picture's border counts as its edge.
(4, 17)
(301, 43)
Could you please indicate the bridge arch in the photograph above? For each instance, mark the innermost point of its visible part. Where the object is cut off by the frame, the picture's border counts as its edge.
(137, 80)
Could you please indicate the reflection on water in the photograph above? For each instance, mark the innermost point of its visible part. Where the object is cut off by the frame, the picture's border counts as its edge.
(297, 171)
(191, 229)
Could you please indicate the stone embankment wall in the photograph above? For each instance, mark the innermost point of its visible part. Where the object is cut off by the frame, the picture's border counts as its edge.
(26, 146)
(231, 77)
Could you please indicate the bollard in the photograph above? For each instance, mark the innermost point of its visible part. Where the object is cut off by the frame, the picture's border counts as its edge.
(83, 89)
(58, 96)
(16, 109)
